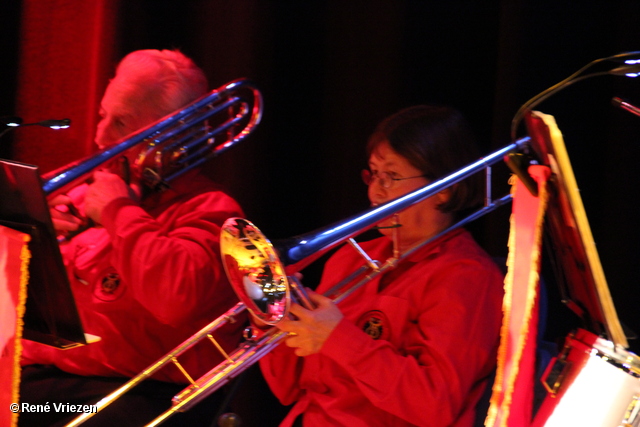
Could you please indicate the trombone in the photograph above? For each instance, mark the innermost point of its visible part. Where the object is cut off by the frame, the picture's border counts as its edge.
(260, 274)
(176, 143)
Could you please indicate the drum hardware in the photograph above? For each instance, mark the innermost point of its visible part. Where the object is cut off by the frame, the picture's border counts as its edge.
(631, 415)
(554, 374)
(592, 382)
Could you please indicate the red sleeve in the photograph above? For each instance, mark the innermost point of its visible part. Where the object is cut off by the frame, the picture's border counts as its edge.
(428, 380)
(171, 263)
(281, 369)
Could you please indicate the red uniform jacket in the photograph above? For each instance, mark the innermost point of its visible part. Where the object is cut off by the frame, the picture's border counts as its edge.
(146, 282)
(415, 347)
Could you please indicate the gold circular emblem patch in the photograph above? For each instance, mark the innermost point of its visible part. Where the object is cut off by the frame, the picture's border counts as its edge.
(375, 324)
(109, 287)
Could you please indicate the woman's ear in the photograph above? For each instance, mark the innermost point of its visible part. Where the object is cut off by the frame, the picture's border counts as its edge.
(445, 195)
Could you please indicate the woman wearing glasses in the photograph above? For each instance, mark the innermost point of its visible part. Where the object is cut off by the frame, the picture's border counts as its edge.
(416, 345)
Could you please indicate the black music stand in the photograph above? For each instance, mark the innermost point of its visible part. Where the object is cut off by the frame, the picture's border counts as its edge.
(50, 315)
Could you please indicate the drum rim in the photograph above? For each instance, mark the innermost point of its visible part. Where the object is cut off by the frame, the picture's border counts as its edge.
(617, 356)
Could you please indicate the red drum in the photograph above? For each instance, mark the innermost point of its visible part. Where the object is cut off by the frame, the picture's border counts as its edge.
(591, 383)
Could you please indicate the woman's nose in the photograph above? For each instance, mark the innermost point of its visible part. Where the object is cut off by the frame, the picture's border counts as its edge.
(377, 193)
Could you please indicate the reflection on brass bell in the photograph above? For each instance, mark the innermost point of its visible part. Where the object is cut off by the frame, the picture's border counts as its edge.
(249, 333)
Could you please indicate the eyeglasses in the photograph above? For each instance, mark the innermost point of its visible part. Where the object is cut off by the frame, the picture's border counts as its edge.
(385, 178)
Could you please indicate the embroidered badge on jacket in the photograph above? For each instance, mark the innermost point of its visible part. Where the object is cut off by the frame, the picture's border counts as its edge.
(375, 324)
(109, 287)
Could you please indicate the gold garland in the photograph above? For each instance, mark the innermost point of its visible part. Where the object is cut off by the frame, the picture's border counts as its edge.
(501, 399)
(25, 257)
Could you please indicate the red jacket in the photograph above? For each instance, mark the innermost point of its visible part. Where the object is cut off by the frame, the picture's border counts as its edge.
(415, 350)
(146, 282)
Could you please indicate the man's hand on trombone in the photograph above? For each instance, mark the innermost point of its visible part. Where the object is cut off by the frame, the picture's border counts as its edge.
(64, 215)
(105, 188)
(311, 328)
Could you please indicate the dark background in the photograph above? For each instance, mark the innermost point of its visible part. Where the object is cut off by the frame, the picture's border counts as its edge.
(330, 70)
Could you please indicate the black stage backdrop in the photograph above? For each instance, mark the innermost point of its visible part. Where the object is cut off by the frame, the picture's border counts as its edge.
(330, 70)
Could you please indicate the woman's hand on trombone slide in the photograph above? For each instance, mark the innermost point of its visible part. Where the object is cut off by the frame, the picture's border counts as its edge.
(311, 328)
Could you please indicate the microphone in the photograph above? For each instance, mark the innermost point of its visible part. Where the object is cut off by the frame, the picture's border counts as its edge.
(630, 68)
(617, 102)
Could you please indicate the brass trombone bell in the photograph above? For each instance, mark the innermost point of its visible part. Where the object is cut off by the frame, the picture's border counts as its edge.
(254, 270)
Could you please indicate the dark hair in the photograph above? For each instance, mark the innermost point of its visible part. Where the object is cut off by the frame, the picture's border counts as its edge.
(438, 141)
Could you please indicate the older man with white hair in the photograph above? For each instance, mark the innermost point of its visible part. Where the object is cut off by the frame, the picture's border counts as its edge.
(150, 275)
